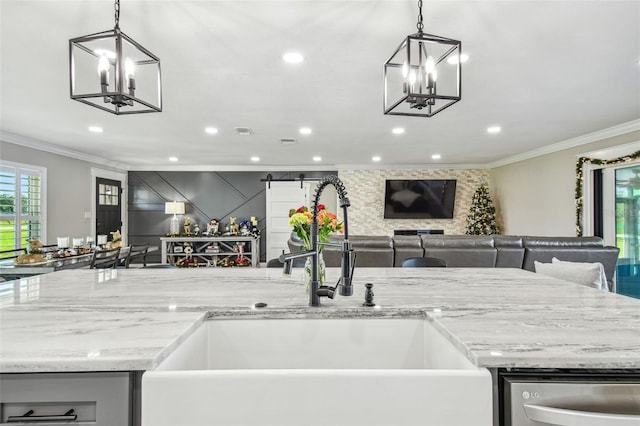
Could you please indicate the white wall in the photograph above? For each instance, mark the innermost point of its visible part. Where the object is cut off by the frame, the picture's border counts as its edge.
(537, 196)
(69, 185)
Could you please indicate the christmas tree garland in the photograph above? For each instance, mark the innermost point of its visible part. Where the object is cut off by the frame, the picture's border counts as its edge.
(580, 181)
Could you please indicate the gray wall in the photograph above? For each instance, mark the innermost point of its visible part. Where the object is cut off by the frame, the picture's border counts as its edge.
(207, 195)
(69, 184)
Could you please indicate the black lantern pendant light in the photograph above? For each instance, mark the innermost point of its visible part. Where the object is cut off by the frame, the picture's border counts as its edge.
(111, 71)
(423, 76)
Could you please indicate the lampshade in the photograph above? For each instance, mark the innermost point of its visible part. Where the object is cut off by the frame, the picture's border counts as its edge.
(111, 71)
(174, 207)
(424, 74)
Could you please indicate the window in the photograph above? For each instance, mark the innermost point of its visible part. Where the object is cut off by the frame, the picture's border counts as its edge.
(22, 206)
(108, 195)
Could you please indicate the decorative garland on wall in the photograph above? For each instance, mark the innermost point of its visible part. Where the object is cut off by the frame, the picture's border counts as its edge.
(580, 181)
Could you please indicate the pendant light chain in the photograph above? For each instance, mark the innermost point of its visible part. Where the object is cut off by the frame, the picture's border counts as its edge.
(116, 6)
(419, 25)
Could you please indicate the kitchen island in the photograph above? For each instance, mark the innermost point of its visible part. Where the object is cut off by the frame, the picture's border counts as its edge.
(131, 320)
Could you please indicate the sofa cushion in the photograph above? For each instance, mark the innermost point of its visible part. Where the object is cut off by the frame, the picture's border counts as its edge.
(589, 274)
(510, 241)
(560, 242)
(366, 241)
(484, 257)
(457, 241)
(509, 257)
(405, 247)
(372, 251)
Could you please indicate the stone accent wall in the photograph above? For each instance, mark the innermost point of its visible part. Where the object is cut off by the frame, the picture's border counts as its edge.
(366, 188)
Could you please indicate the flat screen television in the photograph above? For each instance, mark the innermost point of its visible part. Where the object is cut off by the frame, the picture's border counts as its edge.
(419, 199)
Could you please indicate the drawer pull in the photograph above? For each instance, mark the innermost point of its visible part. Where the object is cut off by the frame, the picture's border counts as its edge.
(29, 417)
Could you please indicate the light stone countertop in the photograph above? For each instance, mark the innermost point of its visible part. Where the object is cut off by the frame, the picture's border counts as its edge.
(131, 319)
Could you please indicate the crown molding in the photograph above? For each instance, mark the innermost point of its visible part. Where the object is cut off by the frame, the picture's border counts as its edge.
(232, 168)
(430, 166)
(610, 132)
(53, 149)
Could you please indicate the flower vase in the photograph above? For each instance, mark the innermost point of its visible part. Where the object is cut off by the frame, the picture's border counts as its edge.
(307, 270)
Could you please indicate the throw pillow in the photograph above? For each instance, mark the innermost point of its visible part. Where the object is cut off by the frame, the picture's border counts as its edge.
(600, 283)
(588, 274)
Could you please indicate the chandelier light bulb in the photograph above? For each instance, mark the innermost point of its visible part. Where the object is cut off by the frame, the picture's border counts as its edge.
(430, 65)
(412, 77)
(129, 68)
(434, 74)
(405, 70)
(103, 65)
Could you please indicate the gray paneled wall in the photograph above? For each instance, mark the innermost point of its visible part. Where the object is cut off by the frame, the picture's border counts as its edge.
(207, 195)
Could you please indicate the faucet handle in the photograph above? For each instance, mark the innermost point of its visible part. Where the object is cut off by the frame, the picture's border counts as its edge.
(326, 291)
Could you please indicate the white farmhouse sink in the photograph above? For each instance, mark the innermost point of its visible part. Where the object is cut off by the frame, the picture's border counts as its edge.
(317, 372)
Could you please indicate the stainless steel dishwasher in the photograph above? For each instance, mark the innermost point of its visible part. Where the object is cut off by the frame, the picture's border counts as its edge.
(570, 398)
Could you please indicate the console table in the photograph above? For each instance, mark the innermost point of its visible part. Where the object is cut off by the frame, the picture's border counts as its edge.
(203, 248)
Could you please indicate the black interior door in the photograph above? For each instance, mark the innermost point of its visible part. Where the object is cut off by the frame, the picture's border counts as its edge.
(108, 210)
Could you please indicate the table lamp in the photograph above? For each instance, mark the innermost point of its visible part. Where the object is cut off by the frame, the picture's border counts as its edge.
(175, 208)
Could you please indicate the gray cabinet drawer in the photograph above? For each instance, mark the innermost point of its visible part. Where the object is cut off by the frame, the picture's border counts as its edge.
(97, 399)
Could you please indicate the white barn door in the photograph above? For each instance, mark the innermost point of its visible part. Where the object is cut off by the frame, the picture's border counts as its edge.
(281, 197)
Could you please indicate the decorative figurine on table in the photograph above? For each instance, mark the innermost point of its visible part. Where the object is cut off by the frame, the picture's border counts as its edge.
(187, 225)
(188, 261)
(188, 250)
(116, 239)
(244, 228)
(212, 227)
(196, 229)
(255, 231)
(240, 259)
(233, 226)
(35, 247)
(33, 255)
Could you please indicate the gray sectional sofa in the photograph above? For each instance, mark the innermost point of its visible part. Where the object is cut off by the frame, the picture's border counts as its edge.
(485, 251)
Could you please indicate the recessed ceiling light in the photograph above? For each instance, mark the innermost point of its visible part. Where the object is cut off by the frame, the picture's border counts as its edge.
(293, 57)
(454, 59)
(173, 159)
(305, 131)
(494, 129)
(398, 130)
(95, 129)
(436, 157)
(255, 158)
(317, 158)
(211, 130)
(375, 158)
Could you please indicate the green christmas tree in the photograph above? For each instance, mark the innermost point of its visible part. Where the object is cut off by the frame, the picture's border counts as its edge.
(482, 216)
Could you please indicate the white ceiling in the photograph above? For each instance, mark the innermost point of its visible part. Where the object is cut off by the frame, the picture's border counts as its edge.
(545, 71)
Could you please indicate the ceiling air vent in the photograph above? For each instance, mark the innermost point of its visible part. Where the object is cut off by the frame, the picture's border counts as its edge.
(287, 141)
(243, 131)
